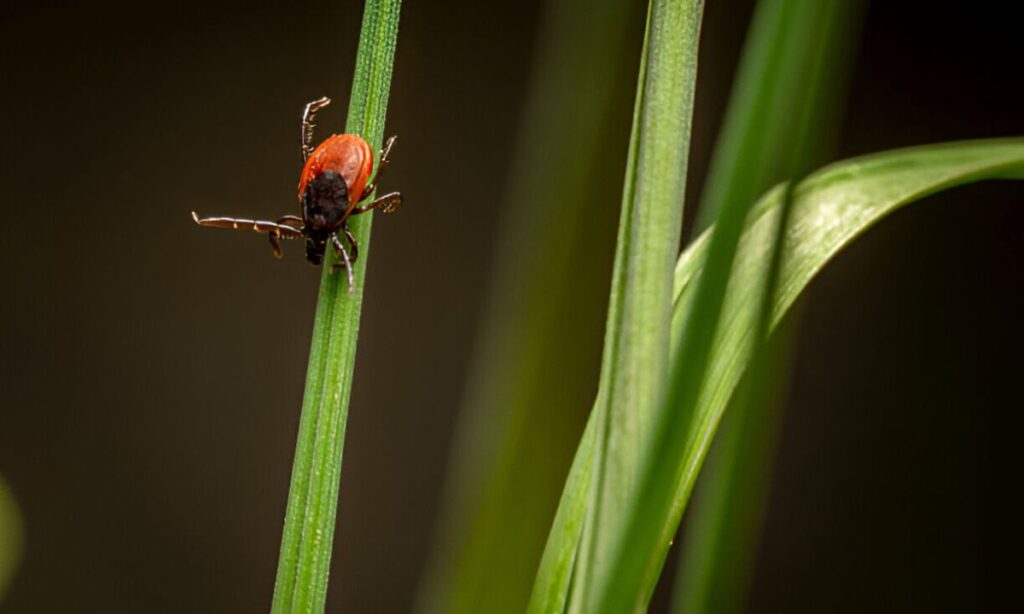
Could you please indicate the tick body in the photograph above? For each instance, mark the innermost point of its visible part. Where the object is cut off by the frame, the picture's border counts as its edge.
(335, 180)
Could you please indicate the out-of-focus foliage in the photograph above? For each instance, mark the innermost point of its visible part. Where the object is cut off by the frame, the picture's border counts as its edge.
(829, 210)
(11, 537)
(532, 377)
(783, 118)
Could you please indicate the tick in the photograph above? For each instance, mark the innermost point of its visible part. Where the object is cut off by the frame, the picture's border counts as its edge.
(334, 182)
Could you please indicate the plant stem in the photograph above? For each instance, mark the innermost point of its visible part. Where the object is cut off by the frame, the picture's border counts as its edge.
(830, 208)
(635, 359)
(301, 584)
(782, 118)
(12, 539)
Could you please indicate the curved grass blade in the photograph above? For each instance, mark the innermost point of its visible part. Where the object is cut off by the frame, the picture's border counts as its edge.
(532, 379)
(830, 209)
(304, 563)
(11, 537)
(781, 120)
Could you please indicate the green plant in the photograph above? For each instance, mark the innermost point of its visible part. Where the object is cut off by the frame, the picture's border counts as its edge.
(11, 537)
(531, 378)
(782, 118)
(829, 210)
(660, 399)
(680, 334)
(301, 584)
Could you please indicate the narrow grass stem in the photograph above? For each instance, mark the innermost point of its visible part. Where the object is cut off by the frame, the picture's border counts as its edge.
(302, 573)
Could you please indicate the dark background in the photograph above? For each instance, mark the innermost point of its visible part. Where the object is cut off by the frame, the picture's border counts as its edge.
(152, 372)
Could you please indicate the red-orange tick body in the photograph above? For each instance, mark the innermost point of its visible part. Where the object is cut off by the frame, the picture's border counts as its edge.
(335, 179)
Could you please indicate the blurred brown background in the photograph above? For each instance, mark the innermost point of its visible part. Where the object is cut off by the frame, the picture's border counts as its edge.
(152, 372)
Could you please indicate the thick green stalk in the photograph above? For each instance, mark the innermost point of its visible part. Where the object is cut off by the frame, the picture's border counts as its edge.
(308, 537)
(635, 354)
(636, 340)
(636, 565)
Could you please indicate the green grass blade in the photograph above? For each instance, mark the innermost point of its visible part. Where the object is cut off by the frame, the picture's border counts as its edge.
(531, 381)
(636, 338)
(830, 209)
(301, 584)
(781, 119)
(720, 534)
(784, 102)
(11, 537)
(637, 347)
(719, 541)
(554, 576)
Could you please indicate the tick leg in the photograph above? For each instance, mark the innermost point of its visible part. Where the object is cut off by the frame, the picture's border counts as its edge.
(384, 161)
(275, 244)
(387, 203)
(237, 223)
(287, 220)
(307, 124)
(352, 244)
(275, 230)
(340, 250)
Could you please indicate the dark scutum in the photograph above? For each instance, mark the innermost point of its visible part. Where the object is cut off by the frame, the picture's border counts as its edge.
(323, 208)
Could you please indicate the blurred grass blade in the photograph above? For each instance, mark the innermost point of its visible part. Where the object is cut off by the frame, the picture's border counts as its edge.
(11, 538)
(719, 541)
(782, 119)
(301, 584)
(830, 209)
(554, 576)
(533, 374)
(719, 537)
(786, 100)
(635, 357)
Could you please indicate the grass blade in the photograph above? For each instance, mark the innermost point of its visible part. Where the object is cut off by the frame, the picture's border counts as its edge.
(301, 584)
(532, 378)
(11, 537)
(635, 357)
(782, 118)
(830, 209)
(786, 97)
(720, 535)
